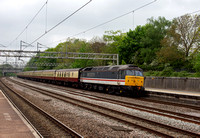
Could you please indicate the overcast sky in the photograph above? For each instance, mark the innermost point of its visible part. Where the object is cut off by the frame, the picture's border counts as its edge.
(16, 14)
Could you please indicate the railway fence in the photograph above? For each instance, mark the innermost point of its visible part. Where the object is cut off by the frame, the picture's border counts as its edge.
(173, 83)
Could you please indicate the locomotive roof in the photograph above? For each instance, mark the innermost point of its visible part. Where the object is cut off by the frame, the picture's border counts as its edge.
(111, 68)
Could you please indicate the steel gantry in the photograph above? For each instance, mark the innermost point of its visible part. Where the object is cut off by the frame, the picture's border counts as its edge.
(21, 65)
(59, 55)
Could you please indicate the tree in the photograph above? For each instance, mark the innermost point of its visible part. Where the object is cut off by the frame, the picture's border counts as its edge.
(187, 33)
(169, 53)
(140, 45)
(113, 40)
(98, 47)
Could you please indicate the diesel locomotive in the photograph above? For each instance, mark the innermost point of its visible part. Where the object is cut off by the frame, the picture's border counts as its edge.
(111, 79)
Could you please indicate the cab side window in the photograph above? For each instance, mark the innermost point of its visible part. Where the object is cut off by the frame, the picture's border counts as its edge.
(122, 74)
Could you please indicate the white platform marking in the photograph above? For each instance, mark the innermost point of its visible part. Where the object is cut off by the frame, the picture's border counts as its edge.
(7, 116)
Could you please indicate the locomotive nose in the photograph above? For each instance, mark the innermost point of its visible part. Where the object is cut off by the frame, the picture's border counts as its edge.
(134, 81)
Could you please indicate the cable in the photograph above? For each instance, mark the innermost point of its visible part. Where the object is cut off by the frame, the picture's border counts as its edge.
(1, 45)
(61, 21)
(113, 19)
(29, 23)
(194, 12)
(108, 21)
(46, 18)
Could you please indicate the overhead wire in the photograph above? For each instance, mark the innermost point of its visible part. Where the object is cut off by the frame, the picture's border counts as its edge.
(1, 45)
(108, 21)
(114, 19)
(29, 23)
(194, 12)
(61, 22)
(46, 18)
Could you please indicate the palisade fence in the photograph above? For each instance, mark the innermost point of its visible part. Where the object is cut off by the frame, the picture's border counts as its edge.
(173, 83)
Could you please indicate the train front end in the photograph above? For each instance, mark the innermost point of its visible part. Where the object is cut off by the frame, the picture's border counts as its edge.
(134, 80)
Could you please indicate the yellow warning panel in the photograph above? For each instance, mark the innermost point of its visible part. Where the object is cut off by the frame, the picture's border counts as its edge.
(134, 81)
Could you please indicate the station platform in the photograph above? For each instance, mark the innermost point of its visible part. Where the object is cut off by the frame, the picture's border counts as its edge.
(12, 123)
(174, 92)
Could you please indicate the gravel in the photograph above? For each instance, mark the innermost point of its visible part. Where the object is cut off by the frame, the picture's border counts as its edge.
(90, 124)
(86, 123)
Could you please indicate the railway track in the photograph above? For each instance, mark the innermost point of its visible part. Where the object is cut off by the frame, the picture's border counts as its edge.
(151, 126)
(61, 129)
(172, 103)
(153, 110)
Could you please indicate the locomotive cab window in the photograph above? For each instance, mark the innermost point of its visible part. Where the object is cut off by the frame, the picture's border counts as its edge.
(123, 73)
(138, 73)
(130, 72)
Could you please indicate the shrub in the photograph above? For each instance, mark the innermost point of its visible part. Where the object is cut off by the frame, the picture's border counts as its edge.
(175, 74)
(183, 74)
(167, 72)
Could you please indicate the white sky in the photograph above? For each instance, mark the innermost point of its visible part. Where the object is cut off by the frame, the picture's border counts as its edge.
(16, 14)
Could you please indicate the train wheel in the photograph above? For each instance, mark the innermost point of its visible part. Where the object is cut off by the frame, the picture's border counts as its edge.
(111, 90)
(101, 88)
(90, 87)
(94, 87)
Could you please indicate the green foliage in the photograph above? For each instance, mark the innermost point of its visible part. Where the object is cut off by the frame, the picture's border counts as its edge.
(170, 55)
(196, 63)
(82, 63)
(155, 47)
(183, 74)
(167, 71)
(141, 44)
(152, 73)
(114, 40)
(197, 74)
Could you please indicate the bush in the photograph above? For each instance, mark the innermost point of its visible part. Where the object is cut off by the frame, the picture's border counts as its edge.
(197, 74)
(183, 74)
(167, 72)
(175, 74)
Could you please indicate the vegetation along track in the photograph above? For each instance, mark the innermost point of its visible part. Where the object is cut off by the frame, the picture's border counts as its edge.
(152, 126)
(52, 128)
(153, 110)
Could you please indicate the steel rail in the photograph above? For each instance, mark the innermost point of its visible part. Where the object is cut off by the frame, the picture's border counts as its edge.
(50, 117)
(115, 114)
(175, 115)
(11, 101)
